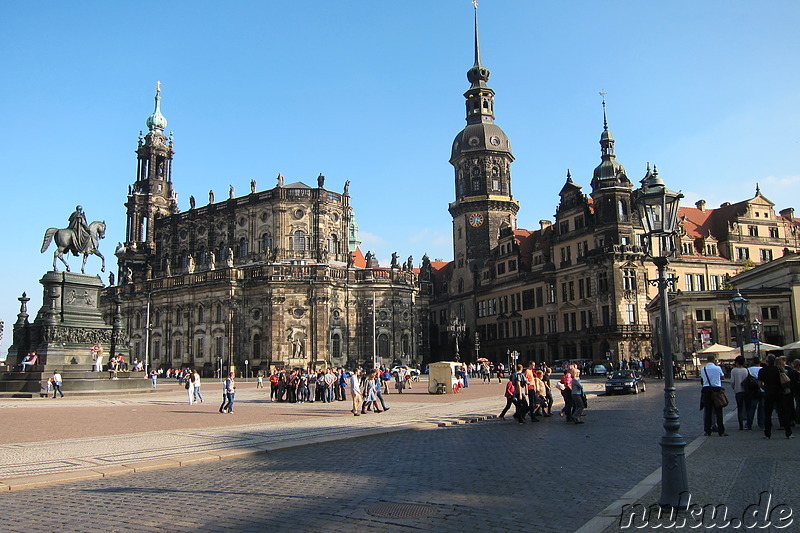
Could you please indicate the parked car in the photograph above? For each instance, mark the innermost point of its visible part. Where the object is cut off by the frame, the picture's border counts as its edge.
(600, 370)
(409, 371)
(625, 381)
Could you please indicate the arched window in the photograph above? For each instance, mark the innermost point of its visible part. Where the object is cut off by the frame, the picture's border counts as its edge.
(219, 312)
(266, 242)
(256, 346)
(383, 345)
(406, 345)
(178, 316)
(202, 257)
(299, 241)
(184, 259)
(242, 247)
(158, 319)
(336, 345)
(201, 314)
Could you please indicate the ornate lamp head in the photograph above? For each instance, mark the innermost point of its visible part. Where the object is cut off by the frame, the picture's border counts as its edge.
(738, 305)
(658, 210)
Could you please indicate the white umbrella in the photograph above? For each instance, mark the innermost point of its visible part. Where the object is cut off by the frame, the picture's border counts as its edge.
(717, 348)
(764, 347)
(793, 346)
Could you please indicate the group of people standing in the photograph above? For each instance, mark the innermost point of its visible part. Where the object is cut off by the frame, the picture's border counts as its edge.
(763, 387)
(300, 386)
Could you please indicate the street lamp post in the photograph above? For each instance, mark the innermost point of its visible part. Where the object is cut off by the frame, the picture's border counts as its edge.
(456, 329)
(738, 306)
(756, 335)
(658, 211)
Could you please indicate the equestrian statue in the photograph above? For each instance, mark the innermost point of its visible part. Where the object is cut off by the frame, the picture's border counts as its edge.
(78, 238)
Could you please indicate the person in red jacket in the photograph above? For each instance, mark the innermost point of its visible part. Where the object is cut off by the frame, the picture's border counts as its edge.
(509, 394)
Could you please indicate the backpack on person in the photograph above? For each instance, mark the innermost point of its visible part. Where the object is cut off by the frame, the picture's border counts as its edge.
(750, 386)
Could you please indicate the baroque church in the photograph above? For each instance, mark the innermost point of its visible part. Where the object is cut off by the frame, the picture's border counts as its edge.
(577, 287)
(271, 279)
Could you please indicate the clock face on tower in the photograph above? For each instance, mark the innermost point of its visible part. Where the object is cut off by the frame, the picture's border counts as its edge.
(475, 220)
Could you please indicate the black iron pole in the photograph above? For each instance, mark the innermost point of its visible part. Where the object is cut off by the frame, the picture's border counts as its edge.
(674, 479)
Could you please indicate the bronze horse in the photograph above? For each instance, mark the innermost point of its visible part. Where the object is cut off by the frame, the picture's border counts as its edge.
(65, 242)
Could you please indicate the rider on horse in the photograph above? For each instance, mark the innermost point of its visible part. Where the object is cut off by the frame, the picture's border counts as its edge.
(78, 224)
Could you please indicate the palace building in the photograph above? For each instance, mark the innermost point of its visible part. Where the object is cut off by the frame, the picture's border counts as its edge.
(577, 286)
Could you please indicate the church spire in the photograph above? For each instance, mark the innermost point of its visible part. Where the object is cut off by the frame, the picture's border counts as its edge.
(478, 75)
(606, 139)
(609, 172)
(156, 122)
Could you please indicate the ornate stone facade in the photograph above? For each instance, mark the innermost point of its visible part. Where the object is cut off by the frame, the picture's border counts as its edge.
(260, 281)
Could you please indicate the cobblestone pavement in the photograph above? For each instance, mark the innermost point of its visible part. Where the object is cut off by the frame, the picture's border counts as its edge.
(494, 475)
(738, 475)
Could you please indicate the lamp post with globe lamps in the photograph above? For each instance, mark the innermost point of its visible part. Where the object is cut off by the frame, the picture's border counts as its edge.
(457, 328)
(756, 336)
(658, 210)
(738, 306)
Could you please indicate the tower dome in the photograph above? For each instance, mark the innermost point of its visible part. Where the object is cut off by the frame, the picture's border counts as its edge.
(157, 121)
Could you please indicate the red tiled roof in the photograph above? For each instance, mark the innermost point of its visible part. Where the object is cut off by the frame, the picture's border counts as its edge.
(358, 258)
(696, 223)
(441, 271)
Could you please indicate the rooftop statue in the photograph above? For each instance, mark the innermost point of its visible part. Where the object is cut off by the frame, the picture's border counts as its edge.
(78, 237)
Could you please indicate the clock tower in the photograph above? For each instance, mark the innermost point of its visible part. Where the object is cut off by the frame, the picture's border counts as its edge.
(482, 159)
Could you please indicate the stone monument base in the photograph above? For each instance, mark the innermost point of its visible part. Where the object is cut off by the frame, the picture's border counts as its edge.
(66, 327)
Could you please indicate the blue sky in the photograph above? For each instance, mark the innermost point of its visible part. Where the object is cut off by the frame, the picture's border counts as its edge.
(371, 91)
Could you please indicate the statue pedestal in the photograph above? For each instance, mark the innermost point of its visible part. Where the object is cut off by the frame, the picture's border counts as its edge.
(70, 321)
(67, 325)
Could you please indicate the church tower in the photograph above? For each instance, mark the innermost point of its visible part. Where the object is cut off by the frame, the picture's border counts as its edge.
(482, 160)
(151, 195)
(611, 194)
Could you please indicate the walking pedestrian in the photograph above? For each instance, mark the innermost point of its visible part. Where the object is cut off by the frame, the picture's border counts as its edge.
(711, 377)
(774, 398)
(520, 394)
(378, 392)
(187, 377)
(154, 377)
(354, 386)
(371, 386)
(565, 386)
(228, 393)
(739, 375)
(755, 410)
(577, 397)
(195, 377)
(57, 382)
(509, 395)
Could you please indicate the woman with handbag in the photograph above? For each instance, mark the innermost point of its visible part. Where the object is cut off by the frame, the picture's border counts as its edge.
(713, 397)
(774, 397)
